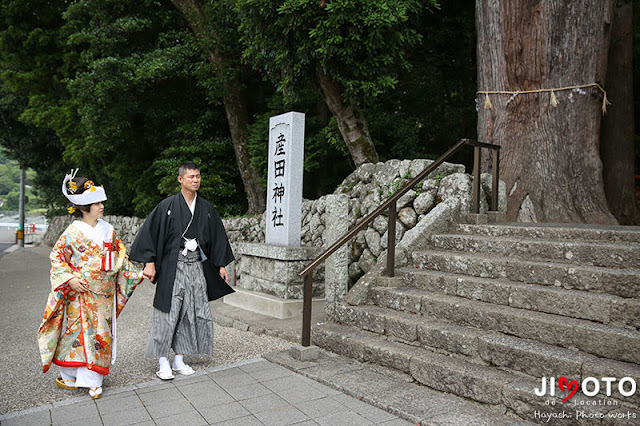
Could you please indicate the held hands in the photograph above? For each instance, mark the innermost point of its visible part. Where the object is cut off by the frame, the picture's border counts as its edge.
(224, 274)
(149, 271)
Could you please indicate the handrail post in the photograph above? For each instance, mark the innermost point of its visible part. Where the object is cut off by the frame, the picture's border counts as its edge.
(306, 309)
(476, 179)
(495, 179)
(391, 240)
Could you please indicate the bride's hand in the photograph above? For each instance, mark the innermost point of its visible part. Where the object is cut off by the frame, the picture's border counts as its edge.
(77, 285)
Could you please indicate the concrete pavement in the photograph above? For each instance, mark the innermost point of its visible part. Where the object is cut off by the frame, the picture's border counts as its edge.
(7, 238)
(254, 392)
(250, 380)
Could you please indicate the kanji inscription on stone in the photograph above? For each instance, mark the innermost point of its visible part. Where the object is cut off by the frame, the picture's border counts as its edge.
(284, 181)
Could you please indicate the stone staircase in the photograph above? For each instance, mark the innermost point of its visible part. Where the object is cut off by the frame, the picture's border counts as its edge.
(491, 310)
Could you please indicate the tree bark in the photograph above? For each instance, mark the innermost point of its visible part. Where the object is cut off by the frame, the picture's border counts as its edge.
(234, 105)
(550, 156)
(351, 122)
(237, 117)
(617, 134)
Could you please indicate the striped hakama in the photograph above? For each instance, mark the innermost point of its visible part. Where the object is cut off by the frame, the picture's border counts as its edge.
(188, 327)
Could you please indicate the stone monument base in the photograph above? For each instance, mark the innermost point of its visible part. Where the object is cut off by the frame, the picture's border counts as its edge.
(268, 280)
(269, 305)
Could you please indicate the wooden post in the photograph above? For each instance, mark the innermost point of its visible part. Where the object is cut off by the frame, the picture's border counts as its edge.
(391, 240)
(476, 179)
(495, 180)
(306, 309)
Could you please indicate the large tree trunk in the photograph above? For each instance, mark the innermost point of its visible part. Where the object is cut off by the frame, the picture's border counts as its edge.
(234, 104)
(237, 117)
(550, 156)
(617, 134)
(351, 122)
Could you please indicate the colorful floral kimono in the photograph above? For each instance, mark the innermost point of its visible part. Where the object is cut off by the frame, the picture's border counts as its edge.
(87, 337)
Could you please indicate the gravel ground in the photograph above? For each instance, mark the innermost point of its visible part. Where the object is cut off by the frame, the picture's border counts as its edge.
(24, 285)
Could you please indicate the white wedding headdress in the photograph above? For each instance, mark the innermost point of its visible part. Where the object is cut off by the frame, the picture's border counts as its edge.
(93, 194)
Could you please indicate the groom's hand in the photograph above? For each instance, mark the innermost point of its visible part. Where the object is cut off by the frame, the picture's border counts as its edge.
(224, 274)
(149, 271)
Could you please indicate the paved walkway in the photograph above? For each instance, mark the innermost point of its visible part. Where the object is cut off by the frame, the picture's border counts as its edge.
(255, 392)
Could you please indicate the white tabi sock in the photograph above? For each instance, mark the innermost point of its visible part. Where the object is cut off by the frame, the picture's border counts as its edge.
(164, 364)
(178, 362)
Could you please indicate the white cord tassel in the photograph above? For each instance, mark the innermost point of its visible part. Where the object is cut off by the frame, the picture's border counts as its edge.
(554, 100)
(487, 102)
(605, 102)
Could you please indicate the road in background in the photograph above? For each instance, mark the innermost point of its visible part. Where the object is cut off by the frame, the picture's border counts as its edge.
(9, 224)
(7, 239)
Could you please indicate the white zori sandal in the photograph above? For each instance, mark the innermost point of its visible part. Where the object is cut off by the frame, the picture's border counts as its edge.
(95, 393)
(184, 370)
(165, 374)
(181, 367)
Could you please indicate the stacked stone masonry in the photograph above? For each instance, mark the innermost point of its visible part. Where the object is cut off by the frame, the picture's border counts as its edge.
(487, 311)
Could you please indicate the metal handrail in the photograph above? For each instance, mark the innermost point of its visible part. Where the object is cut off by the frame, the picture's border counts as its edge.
(391, 233)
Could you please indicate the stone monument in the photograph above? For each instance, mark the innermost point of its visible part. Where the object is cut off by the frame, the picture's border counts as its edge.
(284, 183)
(267, 280)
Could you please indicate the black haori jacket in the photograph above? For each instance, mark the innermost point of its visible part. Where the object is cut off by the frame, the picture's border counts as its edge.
(159, 241)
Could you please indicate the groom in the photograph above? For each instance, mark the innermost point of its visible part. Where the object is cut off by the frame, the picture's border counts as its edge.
(185, 249)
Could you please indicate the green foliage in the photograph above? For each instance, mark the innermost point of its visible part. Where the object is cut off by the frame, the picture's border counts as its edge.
(9, 178)
(326, 160)
(10, 172)
(215, 157)
(114, 88)
(410, 64)
(126, 92)
(133, 85)
(433, 106)
(12, 201)
(361, 44)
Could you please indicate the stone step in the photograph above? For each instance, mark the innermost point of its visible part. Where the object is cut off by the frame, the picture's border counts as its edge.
(617, 282)
(508, 353)
(440, 372)
(480, 346)
(550, 231)
(444, 373)
(412, 329)
(612, 310)
(593, 338)
(580, 252)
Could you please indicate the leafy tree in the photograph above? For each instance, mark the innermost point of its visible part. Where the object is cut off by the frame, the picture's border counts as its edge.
(214, 156)
(12, 201)
(6, 183)
(326, 160)
(132, 87)
(32, 62)
(119, 79)
(214, 24)
(351, 50)
(432, 106)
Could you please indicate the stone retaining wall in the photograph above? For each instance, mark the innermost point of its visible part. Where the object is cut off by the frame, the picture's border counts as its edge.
(367, 187)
